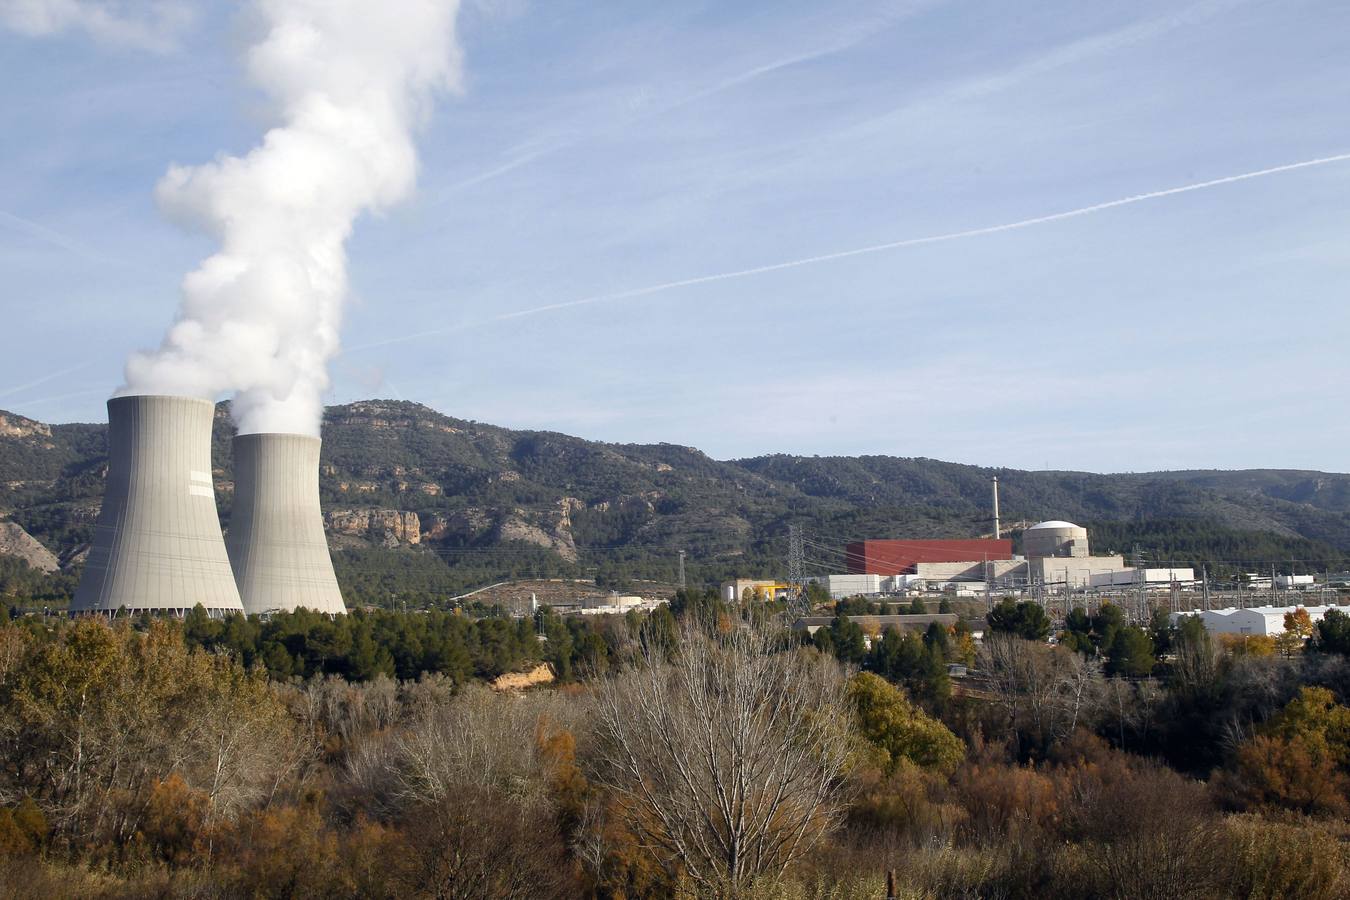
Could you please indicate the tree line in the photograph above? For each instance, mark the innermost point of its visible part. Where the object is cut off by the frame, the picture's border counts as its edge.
(366, 644)
(706, 751)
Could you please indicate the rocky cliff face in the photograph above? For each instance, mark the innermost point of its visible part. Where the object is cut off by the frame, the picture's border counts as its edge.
(13, 426)
(382, 415)
(462, 525)
(14, 541)
(550, 529)
(390, 527)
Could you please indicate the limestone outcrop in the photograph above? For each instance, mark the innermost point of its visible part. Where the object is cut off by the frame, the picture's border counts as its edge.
(16, 542)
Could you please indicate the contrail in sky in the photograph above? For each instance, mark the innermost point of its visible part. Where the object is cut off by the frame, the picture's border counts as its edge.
(882, 17)
(40, 400)
(874, 248)
(52, 376)
(51, 236)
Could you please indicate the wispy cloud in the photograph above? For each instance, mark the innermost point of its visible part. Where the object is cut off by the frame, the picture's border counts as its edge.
(951, 97)
(1090, 47)
(845, 37)
(849, 35)
(143, 24)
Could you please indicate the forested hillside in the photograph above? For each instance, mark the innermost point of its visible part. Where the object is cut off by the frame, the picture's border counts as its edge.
(419, 504)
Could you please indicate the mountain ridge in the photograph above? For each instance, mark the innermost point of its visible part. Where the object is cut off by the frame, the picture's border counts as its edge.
(401, 478)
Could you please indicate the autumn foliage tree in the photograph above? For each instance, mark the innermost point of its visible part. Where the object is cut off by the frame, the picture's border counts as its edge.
(899, 732)
(95, 720)
(1298, 628)
(1300, 760)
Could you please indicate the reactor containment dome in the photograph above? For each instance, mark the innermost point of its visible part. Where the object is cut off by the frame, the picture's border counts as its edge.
(1055, 538)
(276, 541)
(158, 545)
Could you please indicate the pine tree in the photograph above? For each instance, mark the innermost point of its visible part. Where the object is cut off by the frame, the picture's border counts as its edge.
(1130, 654)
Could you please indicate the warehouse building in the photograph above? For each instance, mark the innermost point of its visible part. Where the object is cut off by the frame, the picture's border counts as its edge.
(1255, 620)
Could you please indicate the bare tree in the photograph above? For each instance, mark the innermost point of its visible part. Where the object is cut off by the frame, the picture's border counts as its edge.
(465, 779)
(1045, 692)
(726, 759)
(478, 845)
(479, 741)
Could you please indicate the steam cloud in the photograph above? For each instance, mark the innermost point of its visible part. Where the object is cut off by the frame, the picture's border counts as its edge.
(349, 80)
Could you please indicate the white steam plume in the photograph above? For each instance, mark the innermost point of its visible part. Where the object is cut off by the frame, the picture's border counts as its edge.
(350, 79)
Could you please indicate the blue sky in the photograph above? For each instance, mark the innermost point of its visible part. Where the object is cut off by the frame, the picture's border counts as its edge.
(602, 148)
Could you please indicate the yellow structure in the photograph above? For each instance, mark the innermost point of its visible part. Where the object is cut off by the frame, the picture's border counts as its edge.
(764, 591)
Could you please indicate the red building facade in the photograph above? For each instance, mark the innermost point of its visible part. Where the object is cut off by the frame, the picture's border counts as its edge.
(900, 557)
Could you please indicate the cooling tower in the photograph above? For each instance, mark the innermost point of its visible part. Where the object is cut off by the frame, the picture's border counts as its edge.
(276, 541)
(157, 545)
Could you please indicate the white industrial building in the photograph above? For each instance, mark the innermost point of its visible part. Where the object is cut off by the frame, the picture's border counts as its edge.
(841, 586)
(1076, 571)
(1156, 576)
(1294, 582)
(995, 570)
(616, 604)
(1255, 620)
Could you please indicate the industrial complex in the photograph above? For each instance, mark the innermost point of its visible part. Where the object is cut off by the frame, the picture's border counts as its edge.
(159, 545)
(1056, 556)
(1056, 565)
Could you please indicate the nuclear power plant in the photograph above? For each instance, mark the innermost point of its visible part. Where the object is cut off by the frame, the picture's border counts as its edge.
(276, 541)
(158, 545)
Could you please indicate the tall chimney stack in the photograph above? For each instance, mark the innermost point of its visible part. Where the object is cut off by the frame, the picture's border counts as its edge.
(998, 531)
(157, 545)
(276, 541)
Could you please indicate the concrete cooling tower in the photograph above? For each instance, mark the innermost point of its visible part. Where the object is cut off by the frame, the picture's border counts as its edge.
(276, 541)
(157, 546)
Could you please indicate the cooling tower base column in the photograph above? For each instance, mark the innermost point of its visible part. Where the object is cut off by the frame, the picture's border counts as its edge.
(276, 542)
(157, 545)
